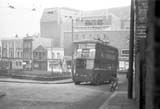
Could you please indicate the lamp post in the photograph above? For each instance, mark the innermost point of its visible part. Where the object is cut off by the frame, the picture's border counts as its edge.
(131, 52)
(72, 53)
(72, 61)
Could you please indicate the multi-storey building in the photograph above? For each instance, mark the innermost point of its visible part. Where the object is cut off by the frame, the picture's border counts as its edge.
(12, 50)
(54, 22)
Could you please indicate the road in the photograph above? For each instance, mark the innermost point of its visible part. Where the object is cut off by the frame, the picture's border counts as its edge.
(52, 96)
(55, 96)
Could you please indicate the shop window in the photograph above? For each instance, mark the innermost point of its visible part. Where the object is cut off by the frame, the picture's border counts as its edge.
(58, 55)
(53, 55)
(16, 63)
(20, 63)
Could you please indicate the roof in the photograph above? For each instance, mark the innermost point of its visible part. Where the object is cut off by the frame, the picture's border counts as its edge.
(45, 42)
(93, 41)
(49, 14)
(12, 38)
(93, 13)
(121, 12)
(39, 48)
(87, 40)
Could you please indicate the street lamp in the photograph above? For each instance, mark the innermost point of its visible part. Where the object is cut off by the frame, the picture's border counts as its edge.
(131, 52)
(72, 62)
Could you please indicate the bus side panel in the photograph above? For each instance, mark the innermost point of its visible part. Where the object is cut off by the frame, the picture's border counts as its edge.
(103, 75)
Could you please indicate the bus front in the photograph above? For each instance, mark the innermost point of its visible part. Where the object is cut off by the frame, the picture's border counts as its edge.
(84, 61)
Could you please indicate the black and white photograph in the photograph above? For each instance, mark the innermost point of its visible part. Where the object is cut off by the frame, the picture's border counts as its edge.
(79, 54)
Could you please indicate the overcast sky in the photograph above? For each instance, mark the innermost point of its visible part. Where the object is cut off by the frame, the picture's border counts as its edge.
(22, 19)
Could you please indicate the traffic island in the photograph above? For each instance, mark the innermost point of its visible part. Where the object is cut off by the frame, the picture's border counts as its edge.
(2, 94)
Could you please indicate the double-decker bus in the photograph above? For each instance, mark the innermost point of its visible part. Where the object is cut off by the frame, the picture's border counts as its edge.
(94, 61)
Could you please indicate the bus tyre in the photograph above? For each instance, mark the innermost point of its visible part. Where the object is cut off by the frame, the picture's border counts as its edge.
(77, 82)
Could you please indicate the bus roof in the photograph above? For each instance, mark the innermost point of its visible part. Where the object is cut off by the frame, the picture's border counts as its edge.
(94, 41)
(85, 41)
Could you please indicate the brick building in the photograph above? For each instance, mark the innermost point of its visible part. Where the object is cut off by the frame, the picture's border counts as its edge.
(147, 53)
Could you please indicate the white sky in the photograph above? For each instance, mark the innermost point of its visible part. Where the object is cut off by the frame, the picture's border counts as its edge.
(22, 20)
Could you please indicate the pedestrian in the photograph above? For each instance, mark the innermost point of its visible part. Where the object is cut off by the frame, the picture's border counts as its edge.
(114, 83)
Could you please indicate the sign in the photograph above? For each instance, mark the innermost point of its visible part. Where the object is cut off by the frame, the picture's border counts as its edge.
(85, 53)
(24, 63)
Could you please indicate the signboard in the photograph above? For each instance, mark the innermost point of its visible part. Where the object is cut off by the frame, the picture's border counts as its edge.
(86, 46)
(90, 64)
(85, 53)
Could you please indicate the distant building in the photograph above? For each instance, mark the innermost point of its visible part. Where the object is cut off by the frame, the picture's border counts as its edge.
(0, 50)
(40, 58)
(29, 44)
(12, 50)
(27, 53)
(55, 58)
(54, 22)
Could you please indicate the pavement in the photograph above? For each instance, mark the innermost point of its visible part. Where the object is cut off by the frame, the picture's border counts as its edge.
(119, 99)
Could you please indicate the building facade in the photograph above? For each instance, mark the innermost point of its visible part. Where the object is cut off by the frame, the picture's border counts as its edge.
(55, 57)
(54, 22)
(27, 53)
(12, 51)
(40, 58)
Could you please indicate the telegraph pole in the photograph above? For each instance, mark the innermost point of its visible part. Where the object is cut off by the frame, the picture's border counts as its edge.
(72, 53)
(131, 47)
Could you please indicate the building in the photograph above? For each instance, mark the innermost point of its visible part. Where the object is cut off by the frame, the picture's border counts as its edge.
(55, 57)
(54, 22)
(30, 43)
(40, 58)
(27, 53)
(0, 50)
(12, 51)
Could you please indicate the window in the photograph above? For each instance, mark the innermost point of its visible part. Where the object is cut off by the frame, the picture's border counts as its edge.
(100, 22)
(81, 63)
(53, 55)
(83, 36)
(17, 54)
(16, 63)
(58, 55)
(50, 12)
(125, 52)
(20, 63)
(76, 37)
